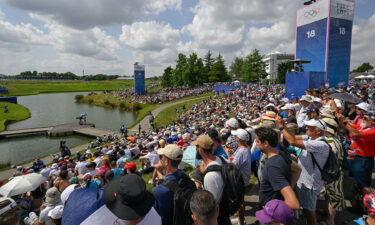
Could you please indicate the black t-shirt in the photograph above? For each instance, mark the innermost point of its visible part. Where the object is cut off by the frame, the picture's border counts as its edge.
(276, 176)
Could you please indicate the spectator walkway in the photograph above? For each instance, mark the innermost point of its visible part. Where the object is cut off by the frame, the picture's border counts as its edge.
(58, 131)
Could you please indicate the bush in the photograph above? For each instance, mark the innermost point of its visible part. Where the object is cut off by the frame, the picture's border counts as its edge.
(137, 106)
(106, 102)
(91, 101)
(122, 105)
(78, 98)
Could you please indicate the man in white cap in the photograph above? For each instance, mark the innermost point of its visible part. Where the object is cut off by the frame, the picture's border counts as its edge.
(361, 108)
(313, 145)
(305, 102)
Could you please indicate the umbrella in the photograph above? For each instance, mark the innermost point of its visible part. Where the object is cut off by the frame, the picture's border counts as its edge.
(22, 184)
(346, 97)
(86, 206)
(189, 156)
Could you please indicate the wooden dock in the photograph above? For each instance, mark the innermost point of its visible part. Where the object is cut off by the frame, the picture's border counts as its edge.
(58, 131)
(25, 132)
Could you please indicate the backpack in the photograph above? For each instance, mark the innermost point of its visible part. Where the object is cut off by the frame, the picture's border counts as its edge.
(234, 187)
(183, 189)
(331, 170)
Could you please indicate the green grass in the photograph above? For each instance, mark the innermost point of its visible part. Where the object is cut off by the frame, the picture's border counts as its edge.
(20, 87)
(154, 89)
(110, 101)
(16, 113)
(148, 107)
(168, 115)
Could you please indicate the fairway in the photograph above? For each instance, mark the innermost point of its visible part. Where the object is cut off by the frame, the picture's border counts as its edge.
(15, 113)
(21, 87)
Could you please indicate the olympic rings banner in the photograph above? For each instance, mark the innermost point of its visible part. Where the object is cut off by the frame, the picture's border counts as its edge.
(314, 12)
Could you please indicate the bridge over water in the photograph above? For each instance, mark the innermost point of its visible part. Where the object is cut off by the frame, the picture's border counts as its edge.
(58, 131)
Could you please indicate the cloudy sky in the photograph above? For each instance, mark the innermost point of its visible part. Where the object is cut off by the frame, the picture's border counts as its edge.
(108, 36)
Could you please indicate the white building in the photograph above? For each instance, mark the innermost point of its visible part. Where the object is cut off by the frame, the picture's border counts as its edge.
(272, 61)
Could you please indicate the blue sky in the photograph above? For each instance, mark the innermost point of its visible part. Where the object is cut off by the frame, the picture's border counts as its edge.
(109, 36)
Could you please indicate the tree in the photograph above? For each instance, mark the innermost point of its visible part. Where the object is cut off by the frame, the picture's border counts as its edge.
(178, 72)
(236, 67)
(218, 71)
(166, 79)
(193, 71)
(282, 69)
(365, 67)
(253, 69)
(208, 62)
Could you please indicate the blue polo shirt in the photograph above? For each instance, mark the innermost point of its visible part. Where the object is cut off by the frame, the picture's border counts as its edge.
(221, 152)
(164, 199)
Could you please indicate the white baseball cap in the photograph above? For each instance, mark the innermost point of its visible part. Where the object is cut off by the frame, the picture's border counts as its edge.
(306, 98)
(241, 134)
(286, 100)
(316, 123)
(288, 106)
(364, 106)
(232, 122)
(317, 100)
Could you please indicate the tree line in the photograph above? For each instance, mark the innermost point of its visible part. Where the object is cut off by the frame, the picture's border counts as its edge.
(194, 71)
(34, 75)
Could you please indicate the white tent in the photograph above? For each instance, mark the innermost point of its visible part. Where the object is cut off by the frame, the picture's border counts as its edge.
(361, 77)
(370, 76)
(236, 81)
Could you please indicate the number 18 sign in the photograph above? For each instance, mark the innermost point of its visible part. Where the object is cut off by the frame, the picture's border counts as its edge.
(323, 36)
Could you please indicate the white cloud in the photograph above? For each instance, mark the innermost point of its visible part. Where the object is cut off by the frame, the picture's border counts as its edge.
(85, 14)
(158, 6)
(21, 33)
(150, 36)
(152, 43)
(363, 42)
(278, 37)
(93, 43)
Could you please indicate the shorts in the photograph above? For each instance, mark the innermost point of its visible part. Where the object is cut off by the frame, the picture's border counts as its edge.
(361, 170)
(307, 197)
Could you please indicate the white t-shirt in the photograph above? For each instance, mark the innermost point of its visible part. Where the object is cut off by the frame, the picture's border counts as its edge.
(213, 181)
(151, 218)
(153, 157)
(43, 217)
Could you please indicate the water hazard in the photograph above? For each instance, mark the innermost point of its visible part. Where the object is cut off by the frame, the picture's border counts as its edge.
(54, 109)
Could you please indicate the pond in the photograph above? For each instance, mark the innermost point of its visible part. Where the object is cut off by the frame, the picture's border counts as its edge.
(54, 109)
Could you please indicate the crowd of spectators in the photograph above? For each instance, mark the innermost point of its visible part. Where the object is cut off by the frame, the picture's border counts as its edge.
(285, 143)
(161, 96)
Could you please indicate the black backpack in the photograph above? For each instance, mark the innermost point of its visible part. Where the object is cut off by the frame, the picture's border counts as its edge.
(331, 170)
(234, 187)
(183, 189)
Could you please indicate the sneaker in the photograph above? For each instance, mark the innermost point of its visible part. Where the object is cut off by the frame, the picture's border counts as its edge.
(235, 220)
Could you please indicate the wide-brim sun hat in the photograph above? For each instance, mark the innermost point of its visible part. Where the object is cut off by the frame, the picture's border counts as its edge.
(128, 198)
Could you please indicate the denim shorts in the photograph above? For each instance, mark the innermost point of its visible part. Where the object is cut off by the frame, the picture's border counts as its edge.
(361, 170)
(307, 197)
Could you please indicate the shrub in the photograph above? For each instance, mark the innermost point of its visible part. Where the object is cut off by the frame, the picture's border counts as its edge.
(78, 98)
(122, 105)
(106, 102)
(91, 101)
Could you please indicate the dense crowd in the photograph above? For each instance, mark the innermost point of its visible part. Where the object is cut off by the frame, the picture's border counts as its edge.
(197, 170)
(163, 95)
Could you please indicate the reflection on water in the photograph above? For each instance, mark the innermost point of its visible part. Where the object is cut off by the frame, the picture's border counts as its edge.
(54, 109)
(17, 150)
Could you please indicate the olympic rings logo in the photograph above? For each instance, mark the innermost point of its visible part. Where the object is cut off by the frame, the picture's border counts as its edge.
(312, 12)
